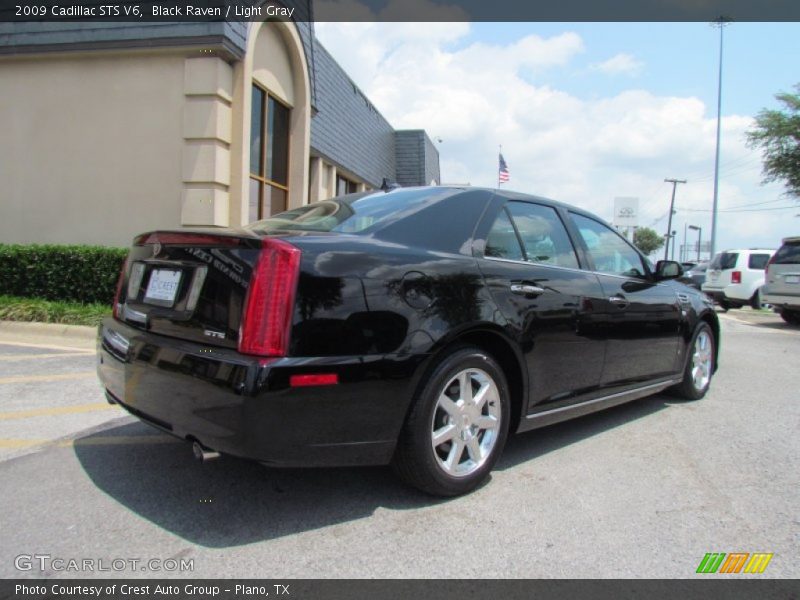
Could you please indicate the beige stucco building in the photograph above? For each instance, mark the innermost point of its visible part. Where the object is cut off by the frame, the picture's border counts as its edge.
(107, 133)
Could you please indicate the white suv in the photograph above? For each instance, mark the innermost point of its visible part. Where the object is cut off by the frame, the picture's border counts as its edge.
(783, 281)
(735, 277)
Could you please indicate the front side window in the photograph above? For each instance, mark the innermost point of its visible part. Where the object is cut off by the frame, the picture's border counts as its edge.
(609, 251)
(269, 155)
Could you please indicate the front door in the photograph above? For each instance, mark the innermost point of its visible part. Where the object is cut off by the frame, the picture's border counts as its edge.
(641, 318)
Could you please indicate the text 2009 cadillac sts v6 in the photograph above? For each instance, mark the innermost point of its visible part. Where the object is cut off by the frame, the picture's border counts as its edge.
(416, 327)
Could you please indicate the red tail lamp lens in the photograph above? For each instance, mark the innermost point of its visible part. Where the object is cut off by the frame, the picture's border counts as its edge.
(736, 277)
(269, 304)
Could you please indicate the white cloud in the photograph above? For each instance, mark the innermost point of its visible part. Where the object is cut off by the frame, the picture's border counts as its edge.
(620, 64)
(475, 96)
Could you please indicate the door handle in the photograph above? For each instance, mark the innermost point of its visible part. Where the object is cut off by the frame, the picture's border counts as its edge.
(619, 301)
(526, 289)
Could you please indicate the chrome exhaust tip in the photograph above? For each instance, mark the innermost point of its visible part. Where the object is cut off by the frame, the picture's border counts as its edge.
(202, 453)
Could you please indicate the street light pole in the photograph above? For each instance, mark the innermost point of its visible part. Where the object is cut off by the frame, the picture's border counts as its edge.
(674, 183)
(699, 231)
(721, 23)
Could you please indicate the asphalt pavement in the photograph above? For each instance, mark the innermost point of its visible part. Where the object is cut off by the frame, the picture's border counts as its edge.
(643, 490)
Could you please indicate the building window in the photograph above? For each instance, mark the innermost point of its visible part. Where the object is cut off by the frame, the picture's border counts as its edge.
(269, 155)
(345, 186)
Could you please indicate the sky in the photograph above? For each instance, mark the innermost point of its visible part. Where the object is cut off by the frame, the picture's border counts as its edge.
(586, 112)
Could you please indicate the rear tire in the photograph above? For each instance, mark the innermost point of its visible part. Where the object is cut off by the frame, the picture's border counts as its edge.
(699, 365)
(457, 426)
(791, 316)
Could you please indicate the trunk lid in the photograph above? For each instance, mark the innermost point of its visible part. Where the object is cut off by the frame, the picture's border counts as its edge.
(189, 284)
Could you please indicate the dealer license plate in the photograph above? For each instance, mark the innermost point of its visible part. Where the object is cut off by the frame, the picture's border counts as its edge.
(163, 287)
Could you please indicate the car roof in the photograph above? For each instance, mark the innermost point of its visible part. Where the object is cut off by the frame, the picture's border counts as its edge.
(508, 194)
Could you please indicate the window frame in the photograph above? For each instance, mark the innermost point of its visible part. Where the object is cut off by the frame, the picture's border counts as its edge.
(587, 254)
(578, 251)
(262, 180)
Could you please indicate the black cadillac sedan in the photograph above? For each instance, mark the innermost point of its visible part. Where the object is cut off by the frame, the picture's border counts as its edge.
(416, 327)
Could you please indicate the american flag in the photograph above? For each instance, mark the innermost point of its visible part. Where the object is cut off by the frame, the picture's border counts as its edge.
(503, 176)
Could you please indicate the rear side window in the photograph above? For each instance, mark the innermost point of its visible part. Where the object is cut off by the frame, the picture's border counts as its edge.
(724, 260)
(789, 254)
(502, 241)
(544, 237)
(533, 233)
(757, 261)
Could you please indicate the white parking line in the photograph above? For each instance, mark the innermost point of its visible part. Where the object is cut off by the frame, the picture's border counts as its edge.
(756, 325)
(49, 347)
(16, 357)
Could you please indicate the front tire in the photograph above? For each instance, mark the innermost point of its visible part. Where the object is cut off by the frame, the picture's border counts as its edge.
(699, 366)
(457, 426)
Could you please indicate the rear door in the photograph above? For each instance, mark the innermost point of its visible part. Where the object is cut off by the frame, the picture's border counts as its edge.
(642, 319)
(718, 274)
(534, 276)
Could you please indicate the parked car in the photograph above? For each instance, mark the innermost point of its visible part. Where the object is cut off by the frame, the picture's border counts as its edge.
(695, 276)
(416, 327)
(735, 277)
(782, 289)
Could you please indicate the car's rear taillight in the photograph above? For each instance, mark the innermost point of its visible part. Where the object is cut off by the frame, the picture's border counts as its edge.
(736, 277)
(118, 293)
(269, 304)
(766, 267)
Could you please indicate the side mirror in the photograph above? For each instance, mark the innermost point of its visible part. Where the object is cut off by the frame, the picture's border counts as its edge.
(668, 269)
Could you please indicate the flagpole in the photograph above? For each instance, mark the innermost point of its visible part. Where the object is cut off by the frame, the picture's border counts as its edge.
(499, 154)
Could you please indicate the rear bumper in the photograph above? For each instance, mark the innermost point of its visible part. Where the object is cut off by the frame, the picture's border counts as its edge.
(791, 301)
(730, 293)
(243, 406)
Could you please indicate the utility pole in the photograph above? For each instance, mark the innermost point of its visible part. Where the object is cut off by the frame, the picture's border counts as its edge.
(721, 22)
(674, 183)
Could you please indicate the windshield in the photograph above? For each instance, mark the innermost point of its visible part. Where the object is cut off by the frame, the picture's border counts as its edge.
(348, 214)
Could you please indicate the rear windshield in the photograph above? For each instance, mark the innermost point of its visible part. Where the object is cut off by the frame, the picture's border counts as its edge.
(724, 260)
(349, 214)
(789, 254)
(757, 261)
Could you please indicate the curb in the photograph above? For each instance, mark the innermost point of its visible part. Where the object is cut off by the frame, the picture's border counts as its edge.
(58, 330)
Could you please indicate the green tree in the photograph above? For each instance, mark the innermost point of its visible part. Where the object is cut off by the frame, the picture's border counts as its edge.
(647, 240)
(777, 133)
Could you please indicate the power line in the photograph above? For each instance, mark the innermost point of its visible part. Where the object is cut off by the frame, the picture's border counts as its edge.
(738, 210)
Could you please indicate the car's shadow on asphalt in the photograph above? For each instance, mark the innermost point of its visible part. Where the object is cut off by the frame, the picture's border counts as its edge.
(231, 502)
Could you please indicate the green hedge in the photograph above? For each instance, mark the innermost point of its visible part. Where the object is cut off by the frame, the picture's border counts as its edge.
(86, 274)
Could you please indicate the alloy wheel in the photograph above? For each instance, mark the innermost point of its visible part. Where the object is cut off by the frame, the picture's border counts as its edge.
(702, 361)
(466, 422)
